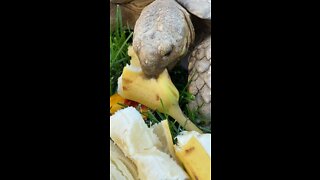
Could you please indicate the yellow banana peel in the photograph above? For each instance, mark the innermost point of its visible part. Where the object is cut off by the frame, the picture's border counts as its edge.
(158, 94)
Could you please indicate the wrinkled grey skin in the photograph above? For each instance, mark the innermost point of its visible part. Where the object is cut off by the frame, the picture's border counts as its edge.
(163, 31)
(162, 35)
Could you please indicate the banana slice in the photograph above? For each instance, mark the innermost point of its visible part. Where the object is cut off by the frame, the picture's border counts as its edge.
(194, 151)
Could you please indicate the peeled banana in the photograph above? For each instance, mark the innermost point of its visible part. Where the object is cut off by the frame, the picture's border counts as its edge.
(129, 131)
(158, 94)
(138, 142)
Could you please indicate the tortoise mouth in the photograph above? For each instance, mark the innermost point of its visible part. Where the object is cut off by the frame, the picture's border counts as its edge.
(152, 70)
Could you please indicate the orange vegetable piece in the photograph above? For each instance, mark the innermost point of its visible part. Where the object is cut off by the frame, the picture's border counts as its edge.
(114, 100)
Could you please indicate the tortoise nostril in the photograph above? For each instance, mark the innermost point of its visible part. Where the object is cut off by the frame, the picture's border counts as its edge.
(168, 53)
(165, 51)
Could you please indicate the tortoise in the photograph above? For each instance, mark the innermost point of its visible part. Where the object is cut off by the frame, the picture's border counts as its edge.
(170, 31)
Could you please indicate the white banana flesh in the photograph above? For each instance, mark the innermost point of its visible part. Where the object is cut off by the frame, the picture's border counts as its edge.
(162, 131)
(131, 134)
(156, 165)
(115, 173)
(120, 165)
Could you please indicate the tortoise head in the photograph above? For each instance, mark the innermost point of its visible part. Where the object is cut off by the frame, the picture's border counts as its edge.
(162, 36)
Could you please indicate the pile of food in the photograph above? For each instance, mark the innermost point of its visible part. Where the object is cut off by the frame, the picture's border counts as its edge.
(140, 152)
(160, 108)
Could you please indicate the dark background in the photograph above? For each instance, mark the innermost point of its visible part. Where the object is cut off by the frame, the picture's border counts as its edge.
(55, 90)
